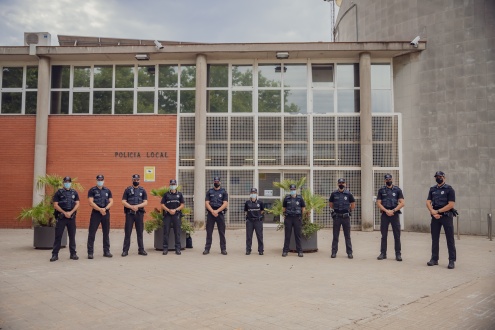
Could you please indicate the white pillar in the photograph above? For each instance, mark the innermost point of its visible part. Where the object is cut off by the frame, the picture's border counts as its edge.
(366, 143)
(200, 140)
(41, 138)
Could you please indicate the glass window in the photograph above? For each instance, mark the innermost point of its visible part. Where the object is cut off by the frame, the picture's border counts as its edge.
(242, 101)
(380, 76)
(296, 128)
(168, 76)
(146, 76)
(295, 75)
(11, 102)
(347, 75)
(82, 76)
(103, 76)
(102, 102)
(32, 77)
(269, 101)
(348, 101)
(12, 77)
(167, 102)
(381, 100)
(188, 76)
(269, 75)
(31, 102)
(187, 101)
(145, 102)
(59, 103)
(295, 101)
(242, 75)
(218, 101)
(124, 76)
(60, 76)
(80, 102)
(322, 75)
(124, 102)
(323, 101)
(218, 75)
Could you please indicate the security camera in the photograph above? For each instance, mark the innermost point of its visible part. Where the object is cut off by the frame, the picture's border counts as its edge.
(415, 42)
(158, 45)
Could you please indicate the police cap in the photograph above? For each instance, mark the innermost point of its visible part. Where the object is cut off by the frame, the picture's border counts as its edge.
(217, 178)
(387, 176)
(173, 181)
(292, 187)
(67, 179)
(136, 176)
(254, 190)
(439, 173)
(100, 177)
(341, 180)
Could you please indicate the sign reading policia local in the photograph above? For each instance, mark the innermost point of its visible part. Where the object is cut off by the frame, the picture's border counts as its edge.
(138, 154)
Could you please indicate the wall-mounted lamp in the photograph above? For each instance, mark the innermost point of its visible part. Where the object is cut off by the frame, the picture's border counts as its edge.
(142, 57)
(282, 55)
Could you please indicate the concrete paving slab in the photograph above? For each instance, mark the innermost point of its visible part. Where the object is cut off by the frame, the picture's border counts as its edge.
(193, 291)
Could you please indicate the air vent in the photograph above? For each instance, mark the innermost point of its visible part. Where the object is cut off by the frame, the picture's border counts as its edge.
(37, 38)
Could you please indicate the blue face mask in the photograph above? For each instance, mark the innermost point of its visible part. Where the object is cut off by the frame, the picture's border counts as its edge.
(293, 192)
(67, 185)
(253, 196)
(99, 183)
(173, 187)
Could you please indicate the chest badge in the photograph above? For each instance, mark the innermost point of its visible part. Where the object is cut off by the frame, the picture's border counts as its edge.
(297, 203)
(442, 192)
(220, 195)
(140, 194)
(106, 194)
(73, 196)
(393, 194)
(345, 198)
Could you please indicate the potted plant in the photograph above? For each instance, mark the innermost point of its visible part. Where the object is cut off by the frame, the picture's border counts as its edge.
(155, 224)
(314, 202)
(42, 214)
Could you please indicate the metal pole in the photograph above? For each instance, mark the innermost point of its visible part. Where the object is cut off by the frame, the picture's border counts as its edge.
(489, 220)
(458, 231)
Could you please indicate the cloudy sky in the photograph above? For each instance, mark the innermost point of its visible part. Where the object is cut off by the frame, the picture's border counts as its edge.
(215, 21)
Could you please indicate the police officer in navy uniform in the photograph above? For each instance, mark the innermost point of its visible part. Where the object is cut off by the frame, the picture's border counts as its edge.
(134, 199)
(101, 200)
(66, 203)
(342, 202)
(172, 203)
(254, 210)
(293, 208)
(216, 203)
(390, 200)
(440, 203)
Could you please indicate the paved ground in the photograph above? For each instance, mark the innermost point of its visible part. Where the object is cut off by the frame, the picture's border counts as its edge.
(236, 291)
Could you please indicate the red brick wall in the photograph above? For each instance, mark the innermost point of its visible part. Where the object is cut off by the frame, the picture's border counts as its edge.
(82, 147)
(16, 167)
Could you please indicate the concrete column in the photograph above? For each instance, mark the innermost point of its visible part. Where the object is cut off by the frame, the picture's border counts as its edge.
(366, 143)
(42, 112)
(200, 141)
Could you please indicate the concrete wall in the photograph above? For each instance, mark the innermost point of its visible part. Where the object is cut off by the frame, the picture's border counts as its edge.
(446, 95)
(82, 147)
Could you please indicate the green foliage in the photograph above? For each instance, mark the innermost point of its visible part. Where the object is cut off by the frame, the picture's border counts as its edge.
(42, 213)
(313, 202)
(156, 221)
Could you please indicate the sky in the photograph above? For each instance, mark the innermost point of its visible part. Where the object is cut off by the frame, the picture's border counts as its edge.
(208, 21)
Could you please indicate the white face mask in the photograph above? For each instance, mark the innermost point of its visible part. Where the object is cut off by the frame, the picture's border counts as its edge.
(173, 187)
(99, 183)
(292, 192)
(253, 196)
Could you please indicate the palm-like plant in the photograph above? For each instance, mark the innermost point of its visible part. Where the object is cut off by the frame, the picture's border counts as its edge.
(42, 213)
(156, 215)
(313, 202)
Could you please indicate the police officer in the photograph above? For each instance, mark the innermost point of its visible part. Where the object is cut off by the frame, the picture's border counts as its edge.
(100, 199)
(254, 210)
(440, 203)
(216, 203)
(66, 203)
(172, 203)
(342, 202)
(293, 208)
(390, 200)
(134, 199)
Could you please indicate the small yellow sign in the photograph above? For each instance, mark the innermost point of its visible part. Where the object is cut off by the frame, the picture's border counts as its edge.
(149, 174)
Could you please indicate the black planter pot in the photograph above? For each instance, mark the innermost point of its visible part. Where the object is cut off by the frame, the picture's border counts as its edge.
(158, 240)
(43, 237)
(308, 245)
